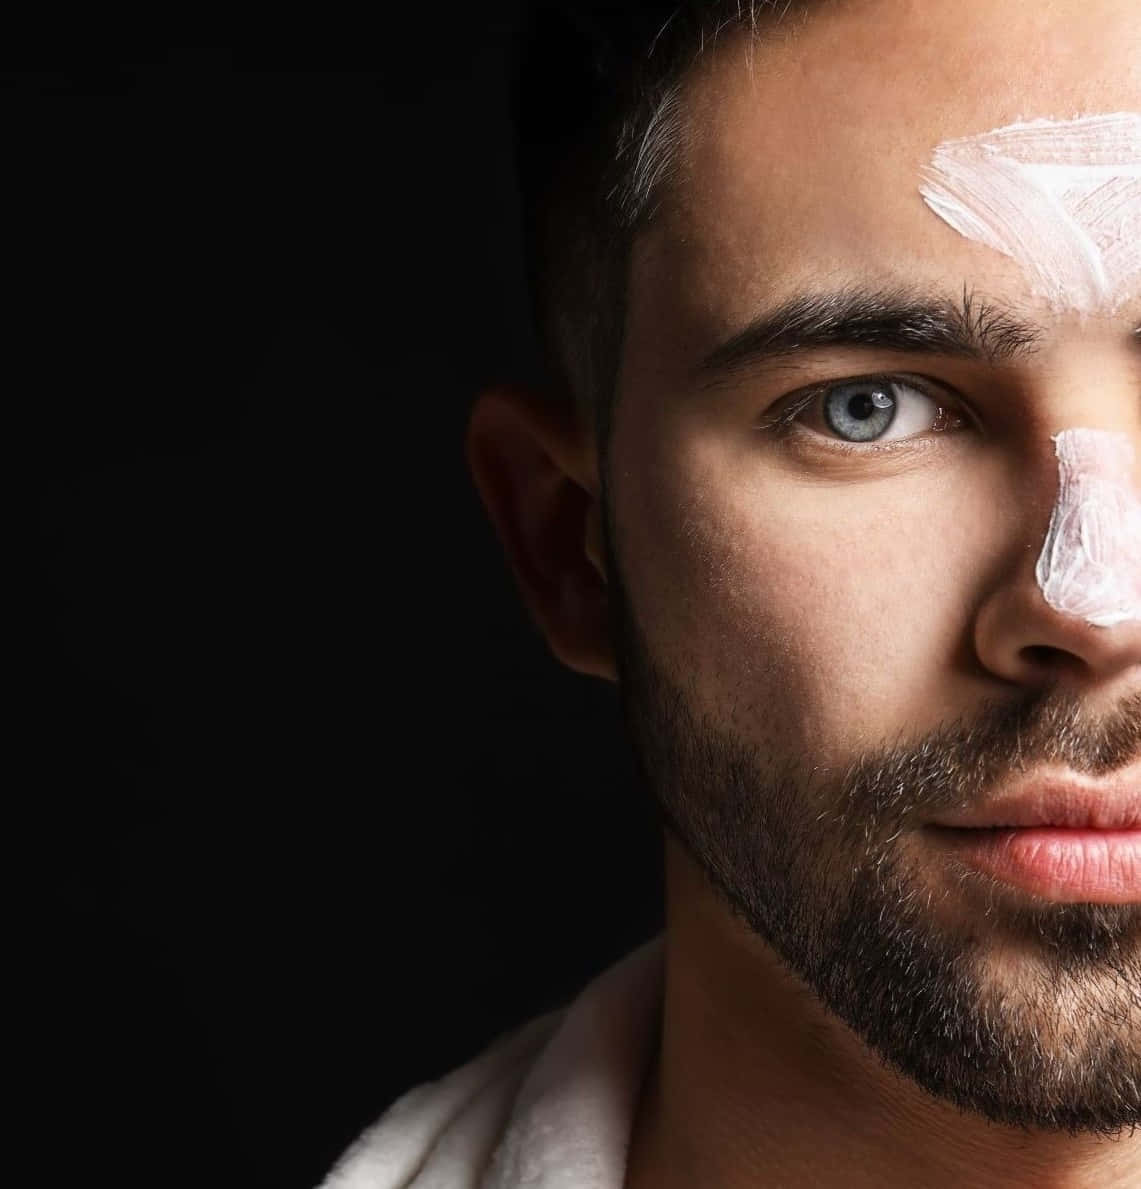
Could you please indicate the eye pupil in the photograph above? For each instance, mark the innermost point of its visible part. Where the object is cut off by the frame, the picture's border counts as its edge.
(866, 404)
(861, 407)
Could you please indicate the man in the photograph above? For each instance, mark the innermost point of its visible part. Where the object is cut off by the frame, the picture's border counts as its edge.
(839, 479)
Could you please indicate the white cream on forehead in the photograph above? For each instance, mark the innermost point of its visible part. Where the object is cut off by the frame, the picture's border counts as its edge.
(1090, 565)
(1063, 198)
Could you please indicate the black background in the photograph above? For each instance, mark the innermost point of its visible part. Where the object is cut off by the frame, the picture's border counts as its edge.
(316, 813)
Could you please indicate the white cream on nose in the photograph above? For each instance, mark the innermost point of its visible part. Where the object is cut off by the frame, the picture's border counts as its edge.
(1090, 565)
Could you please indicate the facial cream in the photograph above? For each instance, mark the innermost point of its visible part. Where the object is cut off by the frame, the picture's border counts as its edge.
(1061, 198)
(1090, 565)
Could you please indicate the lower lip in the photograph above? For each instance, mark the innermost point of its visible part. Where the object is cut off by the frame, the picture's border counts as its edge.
(1073, 866)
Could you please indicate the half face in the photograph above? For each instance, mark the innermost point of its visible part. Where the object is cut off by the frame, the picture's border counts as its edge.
(832, 472)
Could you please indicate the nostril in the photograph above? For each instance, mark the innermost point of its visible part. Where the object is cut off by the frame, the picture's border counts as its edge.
(1044, 656)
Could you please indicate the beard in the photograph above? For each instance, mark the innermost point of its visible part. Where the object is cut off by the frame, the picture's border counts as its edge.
(817, 865)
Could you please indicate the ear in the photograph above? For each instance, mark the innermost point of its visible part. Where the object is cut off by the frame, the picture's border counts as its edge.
(534, 465)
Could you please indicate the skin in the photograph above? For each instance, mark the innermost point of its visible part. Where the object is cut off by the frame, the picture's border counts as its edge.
(851, 599)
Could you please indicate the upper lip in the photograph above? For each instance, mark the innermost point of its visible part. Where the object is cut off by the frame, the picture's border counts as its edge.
(1052, 799)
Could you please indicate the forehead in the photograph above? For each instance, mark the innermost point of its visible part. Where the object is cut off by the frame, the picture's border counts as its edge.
(802, 156)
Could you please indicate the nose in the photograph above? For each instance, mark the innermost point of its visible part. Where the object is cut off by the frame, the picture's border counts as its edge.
(1020, 638)
(1072, 609)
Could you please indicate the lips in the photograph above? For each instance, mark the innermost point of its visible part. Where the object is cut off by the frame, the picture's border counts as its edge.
(1059, 800)
(1055, 836)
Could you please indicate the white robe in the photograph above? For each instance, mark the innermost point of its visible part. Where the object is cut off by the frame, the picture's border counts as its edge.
(547, 1105)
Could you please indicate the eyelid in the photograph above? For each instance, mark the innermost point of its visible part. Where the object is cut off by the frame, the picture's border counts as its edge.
(793, 404)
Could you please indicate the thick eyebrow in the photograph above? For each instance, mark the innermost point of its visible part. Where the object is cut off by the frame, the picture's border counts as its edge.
(968, 327)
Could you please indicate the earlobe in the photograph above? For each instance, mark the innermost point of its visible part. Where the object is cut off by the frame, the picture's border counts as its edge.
(534, 467)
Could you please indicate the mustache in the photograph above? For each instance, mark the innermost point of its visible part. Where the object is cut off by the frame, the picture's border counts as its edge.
(958, 763)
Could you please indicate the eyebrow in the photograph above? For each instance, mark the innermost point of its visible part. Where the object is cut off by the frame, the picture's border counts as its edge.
(964, 328)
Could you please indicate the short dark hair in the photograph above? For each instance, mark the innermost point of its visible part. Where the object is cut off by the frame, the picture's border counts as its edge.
(597, 112)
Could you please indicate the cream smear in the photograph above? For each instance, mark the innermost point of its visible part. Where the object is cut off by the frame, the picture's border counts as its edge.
(1090, 565)
(1063, 198)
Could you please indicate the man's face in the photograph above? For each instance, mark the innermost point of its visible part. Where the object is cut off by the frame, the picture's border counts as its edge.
(828, 642)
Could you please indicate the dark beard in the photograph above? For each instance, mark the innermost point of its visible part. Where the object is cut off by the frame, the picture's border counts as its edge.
(809, 863)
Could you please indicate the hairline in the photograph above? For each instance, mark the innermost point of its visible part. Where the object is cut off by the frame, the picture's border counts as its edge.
(640, 196)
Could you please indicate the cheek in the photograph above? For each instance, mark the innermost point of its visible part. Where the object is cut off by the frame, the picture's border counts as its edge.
(824, 610)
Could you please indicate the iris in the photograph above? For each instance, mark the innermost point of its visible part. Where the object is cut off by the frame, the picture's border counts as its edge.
(861, 411)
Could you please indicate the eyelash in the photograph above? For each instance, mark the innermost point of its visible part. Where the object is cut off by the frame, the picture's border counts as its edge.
(782, 424)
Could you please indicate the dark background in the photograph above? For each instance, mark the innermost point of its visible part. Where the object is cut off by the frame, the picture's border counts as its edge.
(316, 815)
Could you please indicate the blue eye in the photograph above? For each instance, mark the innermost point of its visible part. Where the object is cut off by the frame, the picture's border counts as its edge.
(861, 411)
(869, 411)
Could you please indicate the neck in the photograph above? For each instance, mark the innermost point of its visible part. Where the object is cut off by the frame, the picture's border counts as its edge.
(755, 1083)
